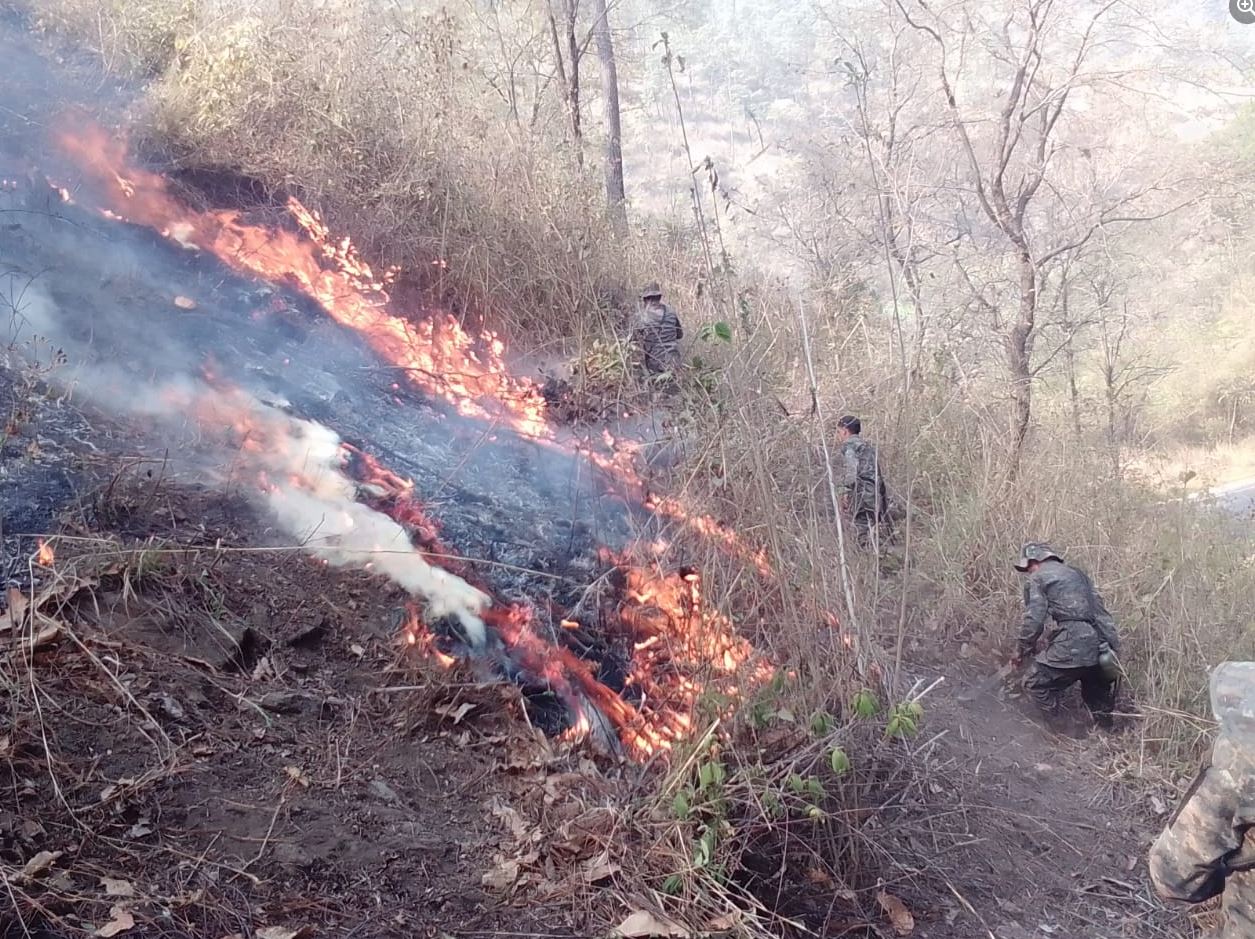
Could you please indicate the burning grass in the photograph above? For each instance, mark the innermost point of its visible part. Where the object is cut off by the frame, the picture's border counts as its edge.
(422, 175)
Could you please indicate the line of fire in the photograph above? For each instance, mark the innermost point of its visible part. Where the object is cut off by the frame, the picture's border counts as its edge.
(610, 645)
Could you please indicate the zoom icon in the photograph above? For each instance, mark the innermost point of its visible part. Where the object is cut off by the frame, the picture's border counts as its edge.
(1243, 11)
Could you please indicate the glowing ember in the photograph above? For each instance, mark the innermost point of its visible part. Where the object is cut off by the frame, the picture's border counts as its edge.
(44, 555)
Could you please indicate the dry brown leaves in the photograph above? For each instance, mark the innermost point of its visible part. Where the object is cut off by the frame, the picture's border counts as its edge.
(38, 865)
(901, 918)
(120, 920)
(117, 888)
(559, 831)
(31, 626)
(283, 932)
(642, 924)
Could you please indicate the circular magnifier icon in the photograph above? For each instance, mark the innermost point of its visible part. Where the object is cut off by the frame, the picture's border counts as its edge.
(1243, 11)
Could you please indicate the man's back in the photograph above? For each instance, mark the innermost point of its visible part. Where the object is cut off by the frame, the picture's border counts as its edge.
(862, 466)
(657, 327)
(1066, 595)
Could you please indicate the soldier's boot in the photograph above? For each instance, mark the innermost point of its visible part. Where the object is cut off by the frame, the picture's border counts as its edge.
(1099, 694)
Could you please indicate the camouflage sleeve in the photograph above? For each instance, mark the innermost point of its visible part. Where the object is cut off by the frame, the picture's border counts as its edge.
(636, 324)
(849, 473)
(1106, 622)
(1035, 609)
(675, 321)
(1189, 859)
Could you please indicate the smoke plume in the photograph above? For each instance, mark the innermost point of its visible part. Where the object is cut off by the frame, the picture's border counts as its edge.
(293, 468)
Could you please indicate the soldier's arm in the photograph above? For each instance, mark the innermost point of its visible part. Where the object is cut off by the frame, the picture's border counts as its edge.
(679, 328)
(849, 468)
(636, 324)
(1035, 609)
(1106, 621)
(1189, 860)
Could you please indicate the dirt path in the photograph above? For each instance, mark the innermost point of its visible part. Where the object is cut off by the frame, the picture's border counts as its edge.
(1023, 833)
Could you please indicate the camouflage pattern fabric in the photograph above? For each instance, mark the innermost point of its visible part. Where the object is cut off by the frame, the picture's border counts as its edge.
(861, 477)
(657, 328)
(1208, 846)
(1081, 622)
(1046, 685)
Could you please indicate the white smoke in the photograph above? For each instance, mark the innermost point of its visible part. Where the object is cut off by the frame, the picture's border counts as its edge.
(294, 468)
(312, 499)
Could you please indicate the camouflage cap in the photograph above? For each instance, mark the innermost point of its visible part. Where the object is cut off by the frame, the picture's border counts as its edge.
(1233, 694)
(651, 290)
(1036, 551)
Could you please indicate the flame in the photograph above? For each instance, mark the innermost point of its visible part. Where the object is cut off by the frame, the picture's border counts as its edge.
(44, 555)
(679, 647)
(436, 353)
(416, 635)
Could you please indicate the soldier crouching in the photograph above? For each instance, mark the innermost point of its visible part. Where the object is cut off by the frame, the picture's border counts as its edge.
(1080, 646)
(656, 328)
(1208, 846)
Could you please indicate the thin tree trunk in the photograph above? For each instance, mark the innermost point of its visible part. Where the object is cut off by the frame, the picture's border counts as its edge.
(570, 82)
(1113, 433)
(616, 199)
(1019, 356)
(1073, 392)
(1069, 358)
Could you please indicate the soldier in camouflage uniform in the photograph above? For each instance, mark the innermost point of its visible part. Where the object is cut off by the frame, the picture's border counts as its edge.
(1209, 844)
(1084, 634)
(657, 328)
(862, 485)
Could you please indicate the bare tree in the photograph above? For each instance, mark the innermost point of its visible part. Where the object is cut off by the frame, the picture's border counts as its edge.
(1044, 64)
(1124, 373)
(568, 68)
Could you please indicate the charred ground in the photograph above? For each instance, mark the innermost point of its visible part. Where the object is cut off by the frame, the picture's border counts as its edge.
(240, 737)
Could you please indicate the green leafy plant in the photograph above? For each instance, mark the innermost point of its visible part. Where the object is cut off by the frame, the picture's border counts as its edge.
(716, 332)
(904, 719)
(710, 775)
(839, 761)
(865, 704)
(822, 723)
(681, 805)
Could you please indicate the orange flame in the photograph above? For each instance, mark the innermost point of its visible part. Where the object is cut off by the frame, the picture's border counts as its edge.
(680, 647)
(436, 353)
(44, 556)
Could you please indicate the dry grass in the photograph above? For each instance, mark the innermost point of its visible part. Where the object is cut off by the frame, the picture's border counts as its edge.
(1219, 465)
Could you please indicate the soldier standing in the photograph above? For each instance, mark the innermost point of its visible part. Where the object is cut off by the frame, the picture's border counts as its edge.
(1208, 847)
(863, 487)
(657, 328)
(1081, 645)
